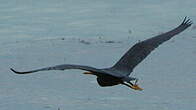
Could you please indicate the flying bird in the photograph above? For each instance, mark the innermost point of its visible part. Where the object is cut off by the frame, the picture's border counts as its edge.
(120, 72)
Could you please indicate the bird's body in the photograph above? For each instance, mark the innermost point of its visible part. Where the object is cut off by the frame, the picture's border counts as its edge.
(108, 80)
(119, 73)
(105, 79)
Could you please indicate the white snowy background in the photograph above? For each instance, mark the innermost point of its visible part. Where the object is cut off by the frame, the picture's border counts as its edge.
(41, 33)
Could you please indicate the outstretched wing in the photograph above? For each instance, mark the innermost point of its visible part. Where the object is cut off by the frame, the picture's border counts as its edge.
(68, 66)
(142, 49)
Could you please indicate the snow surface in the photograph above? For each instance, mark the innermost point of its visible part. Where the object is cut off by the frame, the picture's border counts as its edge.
(43, 33)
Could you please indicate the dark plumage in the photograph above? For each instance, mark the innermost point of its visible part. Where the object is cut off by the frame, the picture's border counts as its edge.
(119, 73)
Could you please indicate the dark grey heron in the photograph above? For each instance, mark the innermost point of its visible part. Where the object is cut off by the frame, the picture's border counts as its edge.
(119, 73)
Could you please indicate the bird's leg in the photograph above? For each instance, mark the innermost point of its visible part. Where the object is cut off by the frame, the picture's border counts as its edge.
(88, 72)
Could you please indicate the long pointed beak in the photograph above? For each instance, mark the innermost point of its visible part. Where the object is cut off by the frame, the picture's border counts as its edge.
(136, 87)
(133, 86)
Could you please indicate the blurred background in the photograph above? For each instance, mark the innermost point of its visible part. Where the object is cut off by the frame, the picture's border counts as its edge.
(43, 33)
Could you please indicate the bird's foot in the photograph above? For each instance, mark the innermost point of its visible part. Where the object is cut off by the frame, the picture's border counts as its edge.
(88, 73)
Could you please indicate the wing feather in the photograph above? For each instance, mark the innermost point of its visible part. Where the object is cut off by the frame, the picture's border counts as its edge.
(69, 66)
(141, 50)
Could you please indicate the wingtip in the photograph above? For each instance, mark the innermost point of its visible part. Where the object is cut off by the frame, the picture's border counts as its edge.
(187, 21)
(184, 20)
(15, 71)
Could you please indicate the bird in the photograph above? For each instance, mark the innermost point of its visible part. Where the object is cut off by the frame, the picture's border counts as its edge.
(119, 73)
